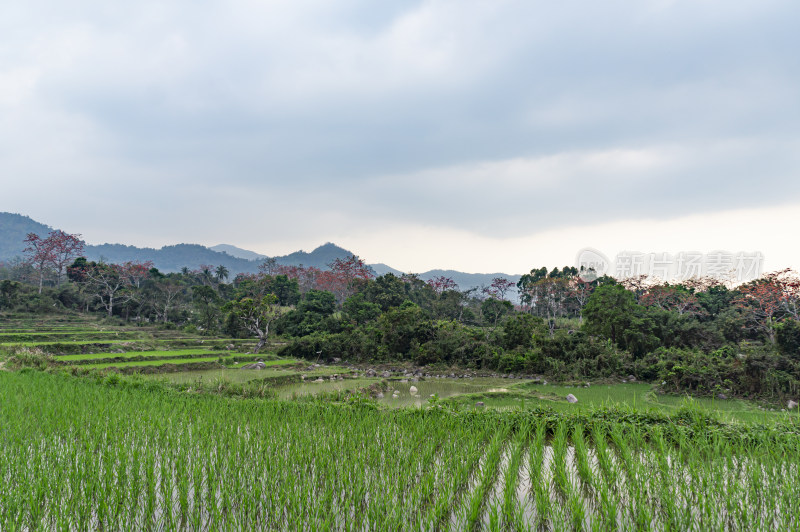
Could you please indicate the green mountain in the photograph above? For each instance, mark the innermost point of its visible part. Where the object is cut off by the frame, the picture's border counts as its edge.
(237, 252)
(13, 230)
(15, 227)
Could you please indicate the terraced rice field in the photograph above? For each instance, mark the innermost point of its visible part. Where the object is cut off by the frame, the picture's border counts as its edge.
(153, 459)
(134, 453)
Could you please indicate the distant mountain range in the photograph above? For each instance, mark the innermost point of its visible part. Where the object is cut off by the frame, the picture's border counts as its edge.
(15, 227)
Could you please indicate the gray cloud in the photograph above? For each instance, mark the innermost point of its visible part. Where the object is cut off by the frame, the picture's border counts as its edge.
(504, 117)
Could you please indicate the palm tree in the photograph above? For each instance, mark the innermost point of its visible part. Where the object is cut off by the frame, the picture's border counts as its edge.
(221, 273)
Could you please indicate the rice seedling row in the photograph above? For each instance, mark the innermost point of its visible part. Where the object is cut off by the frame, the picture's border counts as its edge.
(76, 453)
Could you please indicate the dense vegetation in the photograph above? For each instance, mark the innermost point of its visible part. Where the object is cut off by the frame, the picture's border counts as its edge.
(700, 336)
(90, 440)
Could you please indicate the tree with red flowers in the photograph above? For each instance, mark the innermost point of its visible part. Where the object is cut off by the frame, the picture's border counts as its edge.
(55, 252)
(498, 288)
(135, 273)
(65, 249)
(344, 277)
(759, 301)
(441, 284)
(40, 255)
(675, 298)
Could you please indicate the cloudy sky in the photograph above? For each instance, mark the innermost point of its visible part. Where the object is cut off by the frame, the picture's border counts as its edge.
(482, 135)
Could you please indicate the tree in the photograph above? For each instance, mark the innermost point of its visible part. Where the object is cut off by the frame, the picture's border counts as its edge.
(256, 315)
(205, 275)
(609, 311)
(441, 284)
(388, 291)
(674, 298)
(206, 300)
(102, 281)
(166, 293)
(498, 288)
(344, 277)
(612, 312)
(221, 273)
(65, 248)
(493, 309)
(269, 266)
(40, 255)
(135, 273)
(581, 291)
(9, 292)
(760, 301)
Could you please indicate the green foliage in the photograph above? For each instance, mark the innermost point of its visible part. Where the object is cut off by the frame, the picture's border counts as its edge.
(313, 314)
(359, 310)
(522, 329)
(787, 336)
(402, 327)
(493, 310)
(387, 291)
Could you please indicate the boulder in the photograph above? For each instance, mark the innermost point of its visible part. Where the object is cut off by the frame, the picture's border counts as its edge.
(371, 373)
(721, 396)
(257, 365)
(572, 399)
(380, 395)
(230, 347)
(320, 379)
(631, 378)
(336, 360)
(792, 404)
(480, 404)
(413, 390)
(386, 374)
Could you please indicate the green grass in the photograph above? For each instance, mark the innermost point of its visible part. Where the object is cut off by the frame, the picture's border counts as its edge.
(138, 354)
(195, 360)
(69, 342)
(632, 396)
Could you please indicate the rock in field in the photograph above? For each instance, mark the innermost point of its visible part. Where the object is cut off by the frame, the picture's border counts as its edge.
(572, 399)
(386, 374)
(480, 404)
(413, 390)
(257, 365)
(792, 404)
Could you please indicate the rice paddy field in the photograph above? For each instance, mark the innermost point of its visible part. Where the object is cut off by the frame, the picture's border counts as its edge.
(84, 448)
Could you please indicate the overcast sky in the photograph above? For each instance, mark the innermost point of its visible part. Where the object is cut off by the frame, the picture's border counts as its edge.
(492, 135)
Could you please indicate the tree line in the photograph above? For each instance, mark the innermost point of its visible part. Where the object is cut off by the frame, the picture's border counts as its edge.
(700, 335)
